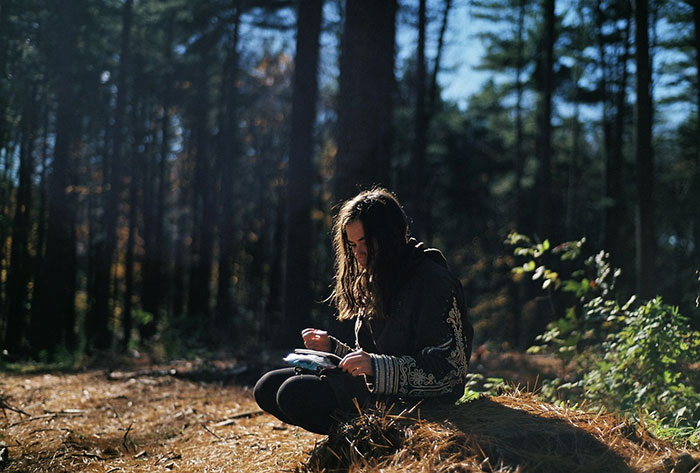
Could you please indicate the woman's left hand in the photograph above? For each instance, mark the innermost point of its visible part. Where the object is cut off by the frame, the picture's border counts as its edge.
(357, 363)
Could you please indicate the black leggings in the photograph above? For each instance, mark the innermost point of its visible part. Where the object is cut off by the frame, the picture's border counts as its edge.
(306, 400)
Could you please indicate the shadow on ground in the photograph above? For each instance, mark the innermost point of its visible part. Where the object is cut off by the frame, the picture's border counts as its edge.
(504, 434)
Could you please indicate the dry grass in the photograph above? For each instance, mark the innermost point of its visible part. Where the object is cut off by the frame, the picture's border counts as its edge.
(86, 423)
(154, 421)
(508, 433)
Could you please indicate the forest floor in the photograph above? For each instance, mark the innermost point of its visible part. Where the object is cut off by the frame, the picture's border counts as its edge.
(200, 416)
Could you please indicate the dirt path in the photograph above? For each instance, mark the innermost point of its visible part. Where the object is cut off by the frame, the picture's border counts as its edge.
(86, 422)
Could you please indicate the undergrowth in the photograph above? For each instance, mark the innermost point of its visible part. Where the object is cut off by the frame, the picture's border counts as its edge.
(634, 358)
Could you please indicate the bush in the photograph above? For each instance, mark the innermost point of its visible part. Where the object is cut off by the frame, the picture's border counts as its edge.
(646, 365)
(633, 358)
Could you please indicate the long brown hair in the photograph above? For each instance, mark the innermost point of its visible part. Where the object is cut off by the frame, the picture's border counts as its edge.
(368, 290)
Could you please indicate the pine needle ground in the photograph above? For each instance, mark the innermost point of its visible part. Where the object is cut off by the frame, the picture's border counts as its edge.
(156, 421)
(509, 433)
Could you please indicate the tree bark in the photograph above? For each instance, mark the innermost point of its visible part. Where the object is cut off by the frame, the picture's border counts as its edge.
(41, 222)
(203, 194)
(519, 155)
(4, 54)
(19, 272)
(696, 31)
(155, 243)
(546, 227)
(438, 59)
(97, 324)
(645, 247)
(419, 189)
(616, 211)
(53, 321)
(614, 89)
(365, 104)
(127, 317)
(299, 239)
(608, 231)
(229, 149)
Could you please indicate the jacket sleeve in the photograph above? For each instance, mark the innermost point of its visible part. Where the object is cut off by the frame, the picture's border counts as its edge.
(439, 361)
(339, 348)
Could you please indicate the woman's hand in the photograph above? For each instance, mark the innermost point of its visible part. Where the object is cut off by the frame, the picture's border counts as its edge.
(315, 339)
(357, 363)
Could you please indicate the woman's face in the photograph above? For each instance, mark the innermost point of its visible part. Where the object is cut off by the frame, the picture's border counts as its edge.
(355, 233)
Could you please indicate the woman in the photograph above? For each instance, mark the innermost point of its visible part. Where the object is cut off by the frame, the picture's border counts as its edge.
(412, 337)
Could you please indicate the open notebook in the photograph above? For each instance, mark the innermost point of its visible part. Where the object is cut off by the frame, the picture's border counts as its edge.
(312, 360)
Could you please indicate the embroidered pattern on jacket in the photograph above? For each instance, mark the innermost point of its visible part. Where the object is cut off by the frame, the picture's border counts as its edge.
(403, 376)
(458, 357)
(339, 348)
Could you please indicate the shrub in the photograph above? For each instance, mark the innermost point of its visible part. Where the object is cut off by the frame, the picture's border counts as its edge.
(633, 358)
(646, 365)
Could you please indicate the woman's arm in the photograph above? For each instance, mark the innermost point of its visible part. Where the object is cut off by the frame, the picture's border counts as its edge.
(442, 347)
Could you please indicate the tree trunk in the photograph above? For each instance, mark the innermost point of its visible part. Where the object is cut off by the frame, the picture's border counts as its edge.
(609, 230)
(203, 205)
(696, 223)
(182, 252)
(438, 59)
(546, 224)
(645, 167)
(365, 96)
(155, 243)
(229, 149)
(19, 272)
(53, 321)
(299, 240)
(4, 53)
(419, 188)
(127, 317)
(4, 131)
(98, 331)
(275, 308)
(41, 222)
(519, 155)
(616, 211)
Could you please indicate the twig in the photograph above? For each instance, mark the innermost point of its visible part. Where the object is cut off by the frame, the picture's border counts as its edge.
(124, 439)
(66, 412)
(88, 455)
(114, 410)
(207, 429)
(4, 405)
(121, 375)
(247, 415)
(52, 415)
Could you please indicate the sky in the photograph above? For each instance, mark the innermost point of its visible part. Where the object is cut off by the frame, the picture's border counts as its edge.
(459, 77)
(462, 51)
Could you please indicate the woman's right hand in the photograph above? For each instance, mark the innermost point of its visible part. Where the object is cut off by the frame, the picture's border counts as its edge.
(315, 339)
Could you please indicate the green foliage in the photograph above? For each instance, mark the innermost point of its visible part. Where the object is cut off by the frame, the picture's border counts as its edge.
(646, 365)
(632, 358)
(477, 386)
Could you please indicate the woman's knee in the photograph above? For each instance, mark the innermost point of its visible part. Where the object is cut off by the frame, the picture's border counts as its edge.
(265, 390)
(308, 400)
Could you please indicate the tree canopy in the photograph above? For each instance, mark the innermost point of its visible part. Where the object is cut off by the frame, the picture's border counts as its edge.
(169, 170)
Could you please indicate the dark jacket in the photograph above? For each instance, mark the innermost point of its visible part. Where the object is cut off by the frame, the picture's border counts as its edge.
(422, 347)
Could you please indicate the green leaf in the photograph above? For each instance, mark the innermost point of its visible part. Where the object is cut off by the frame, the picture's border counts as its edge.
(538, 273)
(469, 396)
(668, 377)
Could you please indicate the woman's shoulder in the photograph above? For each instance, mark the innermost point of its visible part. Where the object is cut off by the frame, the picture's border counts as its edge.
(429, 272)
